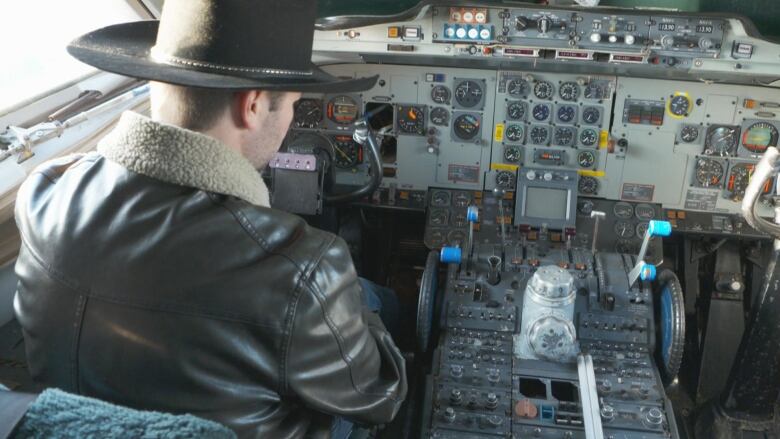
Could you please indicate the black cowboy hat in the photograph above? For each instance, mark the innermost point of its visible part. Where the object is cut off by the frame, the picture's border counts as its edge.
(229, 44)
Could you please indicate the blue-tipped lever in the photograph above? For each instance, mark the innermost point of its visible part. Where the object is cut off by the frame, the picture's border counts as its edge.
(643, 270)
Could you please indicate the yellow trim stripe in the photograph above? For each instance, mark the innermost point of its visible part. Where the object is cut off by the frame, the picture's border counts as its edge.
(590, 173)
(504, 167)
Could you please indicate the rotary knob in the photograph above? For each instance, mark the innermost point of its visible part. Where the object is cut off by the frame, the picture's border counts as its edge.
(492, 401)
(449, 415)
(667, 41)
(629, 39)
(607, 413)
(705, 43)
(543, 25)
(548, 176)
(613, 39)
(595, 37)
(531, 175)
(521, 23)
(654, 416)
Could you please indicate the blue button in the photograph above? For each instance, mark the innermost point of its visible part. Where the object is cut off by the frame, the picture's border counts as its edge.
(660, 228)
(450, 255)
(647, 272)
(472, 214)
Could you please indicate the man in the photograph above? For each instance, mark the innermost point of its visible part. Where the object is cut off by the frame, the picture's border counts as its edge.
(152, 272)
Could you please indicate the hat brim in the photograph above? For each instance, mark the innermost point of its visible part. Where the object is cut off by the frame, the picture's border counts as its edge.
(125, 49)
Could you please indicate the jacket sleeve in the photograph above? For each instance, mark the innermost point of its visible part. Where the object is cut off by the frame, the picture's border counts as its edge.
(340, 358)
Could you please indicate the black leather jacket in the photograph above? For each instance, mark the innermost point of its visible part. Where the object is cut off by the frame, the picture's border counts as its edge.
(172, 298)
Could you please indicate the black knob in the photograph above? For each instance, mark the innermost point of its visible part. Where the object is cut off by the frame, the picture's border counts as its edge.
(623, 143)
(521, 23)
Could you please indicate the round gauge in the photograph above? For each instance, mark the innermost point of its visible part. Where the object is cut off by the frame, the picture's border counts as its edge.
(347, 153)
(709, 172)
(514, 133)
(456, 237)
(468, 94)
(440, 199)
(539, 135)
(466, 126)
(586, 159)
(644, 212)
(439, 218)
(459, 220)
(566, 113)
(440, 116)
(513, 153)
(462, 199)
(544, 90)
(589, 137)
(739, 178)
(480, 17)
(585, 207)
(504, 179)
(308, 113)
(569, 91)
(625, 247)
(563, 136)
(591, 115)
(624, 229)
(595, 90)
(759, 136)
(680, 105)
(517, 87)
(689, 133)
(541, 112)
(623, 210)
(721, 141)
(440, 94)
(515, 111)
(343, 110)
(641, 229)
(588, 185)
(411, 120)
(435, 239)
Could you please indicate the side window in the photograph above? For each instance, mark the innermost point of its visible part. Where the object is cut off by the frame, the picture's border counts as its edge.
(35, 34)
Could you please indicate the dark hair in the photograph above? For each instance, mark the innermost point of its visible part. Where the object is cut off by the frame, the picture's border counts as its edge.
(200, 108)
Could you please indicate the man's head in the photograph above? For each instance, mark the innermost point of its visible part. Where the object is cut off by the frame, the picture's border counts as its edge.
(252, 122)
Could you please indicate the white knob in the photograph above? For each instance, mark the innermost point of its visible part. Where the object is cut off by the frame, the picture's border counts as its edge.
(473, 33)
(461, 32)
(548, 176)
(595, 37)
(613, 38)
(630, 39)
(531, 175)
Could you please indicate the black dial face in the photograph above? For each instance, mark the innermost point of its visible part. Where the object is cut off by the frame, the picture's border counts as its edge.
(343, 110)
(595, 90)
(541, 112)
(462, 199)
(539, 135)
(468, 94)
(641, 229)
(689, 133)
(589, 137)
(439, 218)
(456, 237)
(623, 210)
(569, 91)
(680, 105)
(759, 136)
(625, 246)
(585, 207)
(515, 111)
(504, 179)
(591, 115)
(440, 94)
(563, 136)
(411, 120)
(709, 172)
(566, 113)
(644, 212)
(721, 141)
(513, 153)
(346, 153)
(440, 199)
(308, 113)
(435, 239)
(588, 185)
(440, 116)
(586, 159)
(624, 229)
(517, 87)
(739, 178)
(544, 90)
(466, 126)
(515, 133)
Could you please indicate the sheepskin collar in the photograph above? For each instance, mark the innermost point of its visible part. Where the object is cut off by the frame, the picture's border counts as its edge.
(183, 157)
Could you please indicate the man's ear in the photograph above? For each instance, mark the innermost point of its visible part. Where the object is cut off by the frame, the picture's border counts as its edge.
(248, 105)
